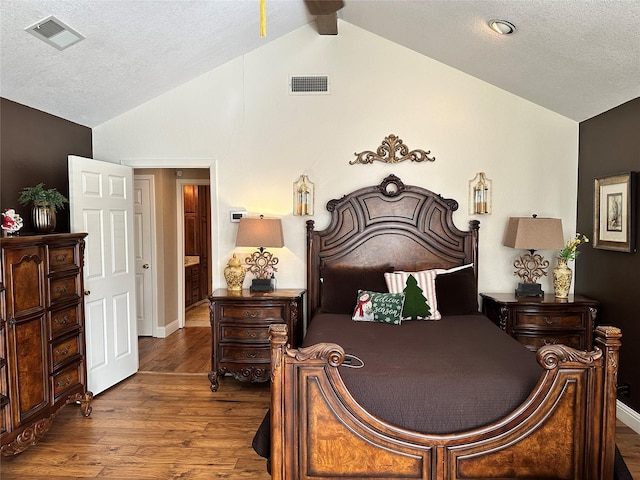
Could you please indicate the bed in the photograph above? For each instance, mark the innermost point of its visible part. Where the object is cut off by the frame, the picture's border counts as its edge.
(558, 421)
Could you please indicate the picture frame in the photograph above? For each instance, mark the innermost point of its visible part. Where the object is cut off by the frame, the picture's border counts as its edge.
(614, 212)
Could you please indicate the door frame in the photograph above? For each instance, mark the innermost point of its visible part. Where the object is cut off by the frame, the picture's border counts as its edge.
(180, 183)
(154, 257)
(179, 164)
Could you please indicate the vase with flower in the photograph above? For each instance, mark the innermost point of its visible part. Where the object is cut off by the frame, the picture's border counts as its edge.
(562, 274)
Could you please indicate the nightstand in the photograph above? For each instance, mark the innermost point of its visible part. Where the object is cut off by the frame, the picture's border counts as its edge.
(240, 331)
(539, 321)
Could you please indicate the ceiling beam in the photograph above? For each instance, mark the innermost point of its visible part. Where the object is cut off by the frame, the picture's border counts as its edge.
(326, 12)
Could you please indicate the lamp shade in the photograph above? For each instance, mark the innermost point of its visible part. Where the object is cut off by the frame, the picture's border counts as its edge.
(260, 233)
(533, 233)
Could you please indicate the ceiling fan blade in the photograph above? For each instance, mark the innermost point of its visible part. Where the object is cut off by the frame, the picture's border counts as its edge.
(326, 12)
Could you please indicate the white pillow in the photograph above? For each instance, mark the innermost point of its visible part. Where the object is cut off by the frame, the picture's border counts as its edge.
(397, 281)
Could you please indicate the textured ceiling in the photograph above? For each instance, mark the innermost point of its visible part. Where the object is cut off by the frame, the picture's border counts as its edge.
(576, 57)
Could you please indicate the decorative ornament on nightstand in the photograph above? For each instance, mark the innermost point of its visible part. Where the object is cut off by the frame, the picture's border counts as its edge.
(562, 274)
(234, 274)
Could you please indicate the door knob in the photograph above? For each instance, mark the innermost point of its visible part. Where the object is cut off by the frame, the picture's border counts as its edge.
(145, 266)
(87, 292)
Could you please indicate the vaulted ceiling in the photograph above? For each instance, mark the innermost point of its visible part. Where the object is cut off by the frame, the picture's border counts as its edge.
(578, 58)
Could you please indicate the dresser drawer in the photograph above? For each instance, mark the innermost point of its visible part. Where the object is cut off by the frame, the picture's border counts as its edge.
(535, 341)
(248, 312)
(244, 333)
(63, 258)
(239, 353)
(549, 320)
(66, 379)
(64, 350)
(61, 289)
(64, 320)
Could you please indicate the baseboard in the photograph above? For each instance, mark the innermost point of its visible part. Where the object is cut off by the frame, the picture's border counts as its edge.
(628, 416)
(168, 329)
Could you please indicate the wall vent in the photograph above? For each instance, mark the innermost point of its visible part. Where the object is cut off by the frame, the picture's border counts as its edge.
(309, 85)
(55, 33)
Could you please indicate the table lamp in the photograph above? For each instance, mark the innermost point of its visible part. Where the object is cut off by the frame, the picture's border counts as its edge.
(532, 233)
(261, 233)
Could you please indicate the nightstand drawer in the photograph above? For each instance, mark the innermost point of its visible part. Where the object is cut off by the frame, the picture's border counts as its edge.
(64, 288)
(247, 312)
(535, 341)
(237, 353)
(245, 333)
(549, 320)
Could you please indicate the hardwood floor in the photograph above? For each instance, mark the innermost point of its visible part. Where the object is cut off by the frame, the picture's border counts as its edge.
(164, 423)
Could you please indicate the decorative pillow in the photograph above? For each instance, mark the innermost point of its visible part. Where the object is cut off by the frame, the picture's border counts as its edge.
(340, 285)
(456, 292)
(415, 304)
(379, 307)
(397, 281)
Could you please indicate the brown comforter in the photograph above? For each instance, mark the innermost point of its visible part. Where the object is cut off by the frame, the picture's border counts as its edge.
(446, 376)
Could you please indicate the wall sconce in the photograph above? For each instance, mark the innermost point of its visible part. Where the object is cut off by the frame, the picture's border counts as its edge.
(532, 233)
(303, 195)
(480, 194)
(265, 232)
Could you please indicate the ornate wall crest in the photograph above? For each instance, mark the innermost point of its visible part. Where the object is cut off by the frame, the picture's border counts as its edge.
(392, 150)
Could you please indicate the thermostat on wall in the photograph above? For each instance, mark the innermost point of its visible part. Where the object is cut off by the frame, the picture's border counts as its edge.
(236, 215)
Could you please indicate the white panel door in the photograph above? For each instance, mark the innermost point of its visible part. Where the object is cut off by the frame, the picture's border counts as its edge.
(101, 204)
(144, 253)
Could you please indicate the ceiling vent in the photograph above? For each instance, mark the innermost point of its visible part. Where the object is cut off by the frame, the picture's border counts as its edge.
(309, 85)
(55, 32)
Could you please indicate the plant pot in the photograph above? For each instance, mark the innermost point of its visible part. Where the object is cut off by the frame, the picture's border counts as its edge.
(43, 218)
(562, 276)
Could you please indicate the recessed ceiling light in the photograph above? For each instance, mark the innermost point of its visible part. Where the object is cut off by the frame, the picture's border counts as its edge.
(502, 27)
(55, 33)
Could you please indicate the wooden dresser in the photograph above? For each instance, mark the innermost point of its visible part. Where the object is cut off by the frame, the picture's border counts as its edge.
(42, 346)
(539, 321)
(240, 331)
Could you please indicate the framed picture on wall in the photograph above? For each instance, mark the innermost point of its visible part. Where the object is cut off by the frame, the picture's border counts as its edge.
(614, 213)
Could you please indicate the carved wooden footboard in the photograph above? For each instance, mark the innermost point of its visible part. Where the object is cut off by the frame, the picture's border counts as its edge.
(564, 430)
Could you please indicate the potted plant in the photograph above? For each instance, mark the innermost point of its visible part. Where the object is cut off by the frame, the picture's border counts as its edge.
(45, 203)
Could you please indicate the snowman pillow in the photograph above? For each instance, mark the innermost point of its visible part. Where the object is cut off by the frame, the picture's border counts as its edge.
(379, 307)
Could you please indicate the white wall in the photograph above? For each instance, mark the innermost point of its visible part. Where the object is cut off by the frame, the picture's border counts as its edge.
(262, 139)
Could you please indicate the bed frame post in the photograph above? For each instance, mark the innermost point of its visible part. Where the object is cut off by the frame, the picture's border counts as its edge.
(278, 340)
(609, 340)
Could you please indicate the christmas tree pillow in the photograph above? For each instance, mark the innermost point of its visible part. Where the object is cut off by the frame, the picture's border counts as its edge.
(397, 282)
(379, 307)
(415, 304)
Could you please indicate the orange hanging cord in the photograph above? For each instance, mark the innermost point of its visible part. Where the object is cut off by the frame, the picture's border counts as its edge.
(263, 18)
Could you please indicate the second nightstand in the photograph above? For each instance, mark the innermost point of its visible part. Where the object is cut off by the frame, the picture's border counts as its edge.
(240, 331)
(539, 321)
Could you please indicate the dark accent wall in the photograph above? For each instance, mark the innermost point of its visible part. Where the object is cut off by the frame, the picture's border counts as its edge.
(33, 148)
(610, 144)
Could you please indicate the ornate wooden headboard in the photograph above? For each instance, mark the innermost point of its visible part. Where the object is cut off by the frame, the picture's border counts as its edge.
(406, 226)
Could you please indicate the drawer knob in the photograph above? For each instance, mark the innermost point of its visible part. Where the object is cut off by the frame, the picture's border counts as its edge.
(251, 314)
(251, 354)
(61, 321)
(251, 333)
(554, 341)
(551, 321)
